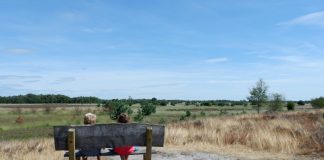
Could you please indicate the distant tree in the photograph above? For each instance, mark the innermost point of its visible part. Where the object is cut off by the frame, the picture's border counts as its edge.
(301, 103)
(277, 102)
(318, 102)
(116, 108)
(139, 116)
(258, 94)
(290, 106)
(163, 103)
(148, 109)
(188, 113)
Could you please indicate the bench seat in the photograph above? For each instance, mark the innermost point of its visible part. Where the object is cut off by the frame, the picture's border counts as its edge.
(105, 152)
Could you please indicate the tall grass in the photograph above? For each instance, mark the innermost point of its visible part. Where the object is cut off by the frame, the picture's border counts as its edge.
(29, 149)
(289, 133)
(293, 133)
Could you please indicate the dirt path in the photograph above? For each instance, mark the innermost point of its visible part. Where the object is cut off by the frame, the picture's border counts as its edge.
(178, 156)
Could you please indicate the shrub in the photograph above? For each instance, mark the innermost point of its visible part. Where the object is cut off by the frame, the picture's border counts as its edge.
(163, 103)
(139, 116)
(290, 106)
(148, 109)
(223, 112)
(20, 119)
(182, 117)
(116, 108)
(318, 102)
(301, 103)
(188, 113)
(202, 113)
(276, 102)
(162, 121)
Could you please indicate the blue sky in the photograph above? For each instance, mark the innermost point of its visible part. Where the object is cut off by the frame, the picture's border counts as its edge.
(173, 49)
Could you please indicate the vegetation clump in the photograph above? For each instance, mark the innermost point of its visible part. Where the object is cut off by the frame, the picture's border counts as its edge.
(290, 106)
(258, 95)
(318, 102)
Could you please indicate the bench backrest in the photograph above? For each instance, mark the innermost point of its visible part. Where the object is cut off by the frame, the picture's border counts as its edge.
(108, 135)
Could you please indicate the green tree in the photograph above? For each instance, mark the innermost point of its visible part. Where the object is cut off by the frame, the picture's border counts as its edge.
(188, 113)
(277, 101)
(258, 94)
(318, 102)
(139, 116)
(301, 102)
(290, 106)
(148, 109)
(115, 108)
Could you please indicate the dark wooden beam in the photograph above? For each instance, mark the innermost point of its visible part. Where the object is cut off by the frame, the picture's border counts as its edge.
(108, 135)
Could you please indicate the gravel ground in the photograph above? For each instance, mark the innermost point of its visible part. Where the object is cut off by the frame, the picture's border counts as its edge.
(177, 156)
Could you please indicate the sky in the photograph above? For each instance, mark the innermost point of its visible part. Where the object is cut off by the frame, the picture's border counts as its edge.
(168, 49)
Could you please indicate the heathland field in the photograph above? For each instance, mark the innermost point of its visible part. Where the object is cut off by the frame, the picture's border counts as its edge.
(27, 121)
(237, 131)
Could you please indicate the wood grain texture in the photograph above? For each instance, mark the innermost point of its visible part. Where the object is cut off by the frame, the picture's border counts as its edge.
(108, 135)
(71, 143)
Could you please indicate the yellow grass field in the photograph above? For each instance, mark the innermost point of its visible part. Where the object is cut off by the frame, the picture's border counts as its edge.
(283, 135)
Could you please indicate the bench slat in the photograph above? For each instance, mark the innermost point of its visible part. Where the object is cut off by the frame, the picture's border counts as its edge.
(108, 135)
(109, 153)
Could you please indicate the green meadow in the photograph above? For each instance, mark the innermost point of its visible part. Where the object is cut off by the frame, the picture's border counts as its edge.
(21, 121)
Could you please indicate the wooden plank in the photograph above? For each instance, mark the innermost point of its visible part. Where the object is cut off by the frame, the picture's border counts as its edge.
(71, 143)
(111, 153)
(108, 135)
(148, 154)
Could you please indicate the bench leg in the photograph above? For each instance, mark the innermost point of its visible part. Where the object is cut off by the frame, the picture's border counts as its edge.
(71, 143)
(149, 139)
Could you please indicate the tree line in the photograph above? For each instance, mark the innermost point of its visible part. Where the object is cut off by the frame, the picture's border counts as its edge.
(47, 98)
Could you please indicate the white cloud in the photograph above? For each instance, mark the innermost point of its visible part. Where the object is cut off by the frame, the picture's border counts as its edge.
(96, 30)
(312, 19)
(217, 60)
(18, 51)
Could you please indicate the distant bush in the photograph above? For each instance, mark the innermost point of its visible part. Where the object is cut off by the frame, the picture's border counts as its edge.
(148, 109)
(290, 106)
(276, 102)
(318, 102)
(116, 108)
(139, 116)
(162, 121)
(188, 113)
(182, 117)
(202, 113)
(163, 103)
(301, 103)
(223, 112)
(20, 119)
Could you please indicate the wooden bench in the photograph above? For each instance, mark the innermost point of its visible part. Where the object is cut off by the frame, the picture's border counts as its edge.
(98, 136)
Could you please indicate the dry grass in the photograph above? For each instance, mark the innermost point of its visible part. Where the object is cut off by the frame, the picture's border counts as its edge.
(29, 149)
(259, 136)
(292, 133)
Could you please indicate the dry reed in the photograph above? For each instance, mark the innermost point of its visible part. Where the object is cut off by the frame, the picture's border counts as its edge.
(292, 133)
(287, 133)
